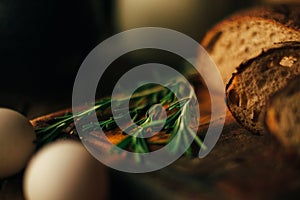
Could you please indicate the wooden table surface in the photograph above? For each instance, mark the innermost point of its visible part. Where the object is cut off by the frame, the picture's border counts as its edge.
(241, 166)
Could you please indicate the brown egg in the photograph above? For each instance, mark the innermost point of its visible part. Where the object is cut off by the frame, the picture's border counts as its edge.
(16, 142)
(65, 170)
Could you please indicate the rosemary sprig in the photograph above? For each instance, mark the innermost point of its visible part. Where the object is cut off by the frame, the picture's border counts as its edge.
(177, 121)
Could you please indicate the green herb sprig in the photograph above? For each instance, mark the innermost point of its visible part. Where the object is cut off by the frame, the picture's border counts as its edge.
(178, 120)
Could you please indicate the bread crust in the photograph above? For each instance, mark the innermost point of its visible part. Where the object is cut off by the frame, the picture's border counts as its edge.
(287, 16)
(283, 114)
(244, 65)
(241, 111)
(243, 35)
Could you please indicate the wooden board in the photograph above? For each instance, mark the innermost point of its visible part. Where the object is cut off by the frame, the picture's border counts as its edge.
(241, 166)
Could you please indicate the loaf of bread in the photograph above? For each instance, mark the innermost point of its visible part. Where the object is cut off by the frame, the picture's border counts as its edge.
(283, 115)
(244, 35)
(256, 80)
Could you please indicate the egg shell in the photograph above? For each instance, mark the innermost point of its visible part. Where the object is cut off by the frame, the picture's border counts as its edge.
(65, 170)
(16, 142)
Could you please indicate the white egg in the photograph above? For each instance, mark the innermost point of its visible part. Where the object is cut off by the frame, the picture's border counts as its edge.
(16, 142)
(64, 170)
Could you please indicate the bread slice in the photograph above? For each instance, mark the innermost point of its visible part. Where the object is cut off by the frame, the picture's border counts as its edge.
(283, 116)
(243, 35)
(250, 88)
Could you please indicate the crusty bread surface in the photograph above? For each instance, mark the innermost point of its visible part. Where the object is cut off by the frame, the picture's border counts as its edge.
(256, 80)
(243, 35)
(283, 115)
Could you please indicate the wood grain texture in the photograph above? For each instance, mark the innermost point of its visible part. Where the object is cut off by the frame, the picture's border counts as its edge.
(241, 166)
